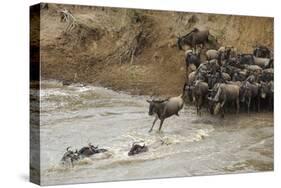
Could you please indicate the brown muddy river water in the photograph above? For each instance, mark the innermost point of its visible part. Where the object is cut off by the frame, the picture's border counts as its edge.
(189, 145)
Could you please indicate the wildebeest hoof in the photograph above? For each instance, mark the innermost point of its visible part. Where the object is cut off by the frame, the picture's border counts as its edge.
(150, 130)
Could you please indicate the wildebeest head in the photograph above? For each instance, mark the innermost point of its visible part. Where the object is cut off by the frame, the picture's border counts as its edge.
(261, 51)
(92, 147)
(70, 155)
(154, 105)
(151, 107)
(213, 79)
(189, 88)
(263, 90)
(136, 148)
(186, 39)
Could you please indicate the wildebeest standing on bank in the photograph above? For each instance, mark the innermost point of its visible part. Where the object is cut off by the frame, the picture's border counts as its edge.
(166, 108)
(192, 58)
(199, 93)
(194, 38)
(262, 51)
(225, 93)
(248, 92)
(267, 92)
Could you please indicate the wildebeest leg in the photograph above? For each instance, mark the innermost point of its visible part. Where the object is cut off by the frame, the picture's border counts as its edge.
(161, 123)
(237, 105)
(222, 109)
(259, 104)
(249, 104)
(186, 72)
(156, 118)
(200, 102)
(71, 161)
(270, 103)
(197, 106)
(222, 112)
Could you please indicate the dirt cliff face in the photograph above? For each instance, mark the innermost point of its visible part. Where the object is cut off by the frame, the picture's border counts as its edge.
(134, 50)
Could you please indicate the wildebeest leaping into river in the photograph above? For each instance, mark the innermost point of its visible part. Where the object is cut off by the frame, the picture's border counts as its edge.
(163, 109)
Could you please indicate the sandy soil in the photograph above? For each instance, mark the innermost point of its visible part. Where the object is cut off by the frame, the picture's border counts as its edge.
(99, 49)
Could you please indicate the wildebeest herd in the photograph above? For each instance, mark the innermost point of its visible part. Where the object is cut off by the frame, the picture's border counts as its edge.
(220, 79)
(228, 77)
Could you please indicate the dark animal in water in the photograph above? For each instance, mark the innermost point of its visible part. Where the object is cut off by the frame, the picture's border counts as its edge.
(90, 150)
(70, 156)
(166, 108)
(193, 38)
(136, 149)
(225, 93)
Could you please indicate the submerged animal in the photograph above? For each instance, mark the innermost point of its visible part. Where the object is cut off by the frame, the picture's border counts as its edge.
(90, 150)
(137, 148)
(163, 109)
(70, 156)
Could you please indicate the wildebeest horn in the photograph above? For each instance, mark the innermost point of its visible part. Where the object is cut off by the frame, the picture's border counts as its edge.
(67, 149)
